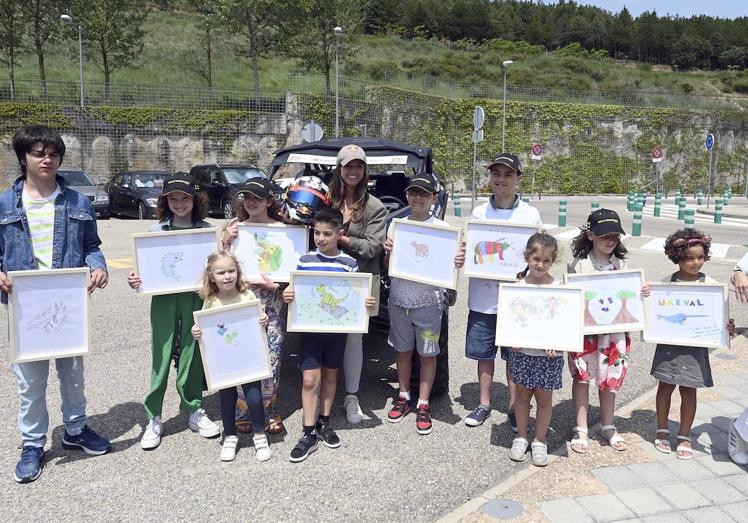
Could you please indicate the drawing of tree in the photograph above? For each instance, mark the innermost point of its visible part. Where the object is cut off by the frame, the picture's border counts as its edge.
(588, 297)
(624, 316)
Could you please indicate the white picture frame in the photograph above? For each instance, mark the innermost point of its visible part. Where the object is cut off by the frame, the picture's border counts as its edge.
(687, 314)
(48, 314)
(424, 252)
(270, 248)
(329, 302)
(613, 300)
(173, 261)
(233, 345)
(549, 317)
(495, 249)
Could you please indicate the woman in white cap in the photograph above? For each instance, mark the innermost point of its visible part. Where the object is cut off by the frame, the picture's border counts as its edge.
(363, 216)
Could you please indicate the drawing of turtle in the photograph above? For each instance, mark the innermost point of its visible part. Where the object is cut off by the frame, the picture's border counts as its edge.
(50, 319)
(169, 264)
(330, 303)
(679, 318)
(490, 249)
(421, 249)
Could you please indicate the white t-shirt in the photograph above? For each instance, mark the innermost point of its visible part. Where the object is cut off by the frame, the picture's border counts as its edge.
(483, 295)
(41, 217)
(412, 294)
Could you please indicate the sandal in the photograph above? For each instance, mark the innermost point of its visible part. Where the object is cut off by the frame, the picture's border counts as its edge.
(582, 445)
(539, 453)
(687, 451)
(663, 445)
(616, 440)
(518, 452)
(274, 426)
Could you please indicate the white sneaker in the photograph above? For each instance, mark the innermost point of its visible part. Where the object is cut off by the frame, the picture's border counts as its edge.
(353, 412)
(262, 447)
(736, 446)
(200, 422)
(228, 451)
(152, 435)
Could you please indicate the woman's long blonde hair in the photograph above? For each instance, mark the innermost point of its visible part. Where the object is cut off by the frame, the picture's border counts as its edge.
(209, 288)
(360, 193)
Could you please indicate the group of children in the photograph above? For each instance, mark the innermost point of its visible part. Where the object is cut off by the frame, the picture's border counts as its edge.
(38, 198)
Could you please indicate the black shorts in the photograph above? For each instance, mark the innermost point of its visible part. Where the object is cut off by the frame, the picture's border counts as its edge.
(321, 350)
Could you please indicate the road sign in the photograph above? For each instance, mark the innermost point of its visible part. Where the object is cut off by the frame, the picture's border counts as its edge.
(709, 142)
(478, 136)
(537, 151)
(311, 132)
(479, 115)
(656, 155)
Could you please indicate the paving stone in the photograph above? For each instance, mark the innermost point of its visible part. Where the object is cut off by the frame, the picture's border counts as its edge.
(670, 517)
(734, 380)
(643, 501)
(565, 510)
(705, 426)
(728, 407)
(739, 511)
(689, 470)
(726, 391)
(721, 465)
(617, 477)
(605, 507)
(739, 481)
(681, 495)
(710, 514)
(706, 410)
(716, 442)
(717, 490)
(649, 448)
(653, 473)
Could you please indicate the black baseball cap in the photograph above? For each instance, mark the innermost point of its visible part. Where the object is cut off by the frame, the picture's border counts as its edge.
(427, 183)
(510, 160)
(259, 187)
(180, 182)
(604, 221)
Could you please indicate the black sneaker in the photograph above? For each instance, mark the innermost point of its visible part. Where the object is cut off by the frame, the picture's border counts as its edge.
(29, 467)
(87, 441)
(326, 435)
(306, 445)
(477, 417)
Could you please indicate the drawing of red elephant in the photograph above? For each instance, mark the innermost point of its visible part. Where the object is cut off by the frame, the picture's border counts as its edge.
(489, 249)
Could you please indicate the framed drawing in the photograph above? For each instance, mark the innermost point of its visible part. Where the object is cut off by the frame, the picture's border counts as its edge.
(48, 314)
(329, 302)
(547, 317)
(233, 347)
(173, 261)
(613, 300)
(691, 314)
(272, 249)
(495, 249)
(424, 252)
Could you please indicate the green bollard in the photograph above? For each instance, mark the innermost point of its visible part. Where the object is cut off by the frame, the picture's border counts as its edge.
(636, 229)
(526, 199)
(630, 202)
(690, 217)
(562, 213)
(718, 211)
(699, 198)
(457, 206)
(595, 206)
(682, 209)
(658, 204)
(726, 198)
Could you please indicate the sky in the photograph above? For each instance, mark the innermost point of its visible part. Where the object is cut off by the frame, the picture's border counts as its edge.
(684, 8)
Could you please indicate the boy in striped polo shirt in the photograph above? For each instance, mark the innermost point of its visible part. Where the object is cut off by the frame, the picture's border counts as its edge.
(321, 354)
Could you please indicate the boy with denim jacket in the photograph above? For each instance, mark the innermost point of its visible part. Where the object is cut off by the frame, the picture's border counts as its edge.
(45, 225)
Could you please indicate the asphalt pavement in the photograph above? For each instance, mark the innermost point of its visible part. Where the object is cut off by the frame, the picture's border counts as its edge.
(382, 471)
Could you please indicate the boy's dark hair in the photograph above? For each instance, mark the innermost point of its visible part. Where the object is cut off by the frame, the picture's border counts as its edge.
(582, 245)
(199, 207)
(539, 240)
(681, 240)
(25, 138)
(329, 216)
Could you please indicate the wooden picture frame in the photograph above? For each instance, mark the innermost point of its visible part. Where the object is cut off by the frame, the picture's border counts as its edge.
(549, 317)
(329, 302)
(233, 346)
(173, 261)
(424, 252)
(48, 314)
(687, 314)
(270, 248)
(495, 249)
(613, 300)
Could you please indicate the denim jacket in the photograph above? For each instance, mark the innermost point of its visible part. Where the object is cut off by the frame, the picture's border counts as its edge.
(75, 242)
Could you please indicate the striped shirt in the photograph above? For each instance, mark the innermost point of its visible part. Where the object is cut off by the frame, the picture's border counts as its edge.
(41, 217)
(316, 261)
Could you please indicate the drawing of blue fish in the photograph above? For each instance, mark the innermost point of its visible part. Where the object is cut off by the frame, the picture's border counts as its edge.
(680, 318)
(169, 262)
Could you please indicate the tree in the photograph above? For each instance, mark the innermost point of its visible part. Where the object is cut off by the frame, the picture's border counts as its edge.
(207, 23)
(43, 16)
(621, 34)
(114, 29)
(691, 51)
(11, 35)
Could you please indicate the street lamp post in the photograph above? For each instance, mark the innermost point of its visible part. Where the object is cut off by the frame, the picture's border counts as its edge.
(338, 31)
(67, 19)
(506, 65)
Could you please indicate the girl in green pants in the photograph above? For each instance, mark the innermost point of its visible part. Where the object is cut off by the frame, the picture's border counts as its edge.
(180, 206)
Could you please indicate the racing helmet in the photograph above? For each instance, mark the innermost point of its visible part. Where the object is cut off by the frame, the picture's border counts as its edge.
(304, 197)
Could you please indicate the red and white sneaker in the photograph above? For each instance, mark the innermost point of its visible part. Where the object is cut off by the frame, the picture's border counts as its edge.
(399, 411)
(423, 419)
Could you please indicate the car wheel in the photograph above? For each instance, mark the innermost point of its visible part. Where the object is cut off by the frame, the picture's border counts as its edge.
(391, 203)
(142, 211)
(228, 210)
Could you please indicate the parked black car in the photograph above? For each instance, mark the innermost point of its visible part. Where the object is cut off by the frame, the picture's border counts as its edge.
(80, 181)
(135, 193)
(220, 182)
(390, 164)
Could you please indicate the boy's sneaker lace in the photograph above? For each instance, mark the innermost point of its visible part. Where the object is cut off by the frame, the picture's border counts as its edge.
(262, 447)
(152, 435)
(477, 417)
(353, 412)
(200, 422)
(29, 467)
(327, 435)
(228, 450)
(399, 410)
(423, 419)
(87, 441)
(306, 445)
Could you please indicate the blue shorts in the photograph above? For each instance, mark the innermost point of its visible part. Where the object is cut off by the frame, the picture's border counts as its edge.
(480, 337)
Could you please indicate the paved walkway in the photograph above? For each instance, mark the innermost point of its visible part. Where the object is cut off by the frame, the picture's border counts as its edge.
(640, 484)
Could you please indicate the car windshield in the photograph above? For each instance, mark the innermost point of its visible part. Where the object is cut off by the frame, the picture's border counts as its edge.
(76, 178)
(239, 175)
(149, 180)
